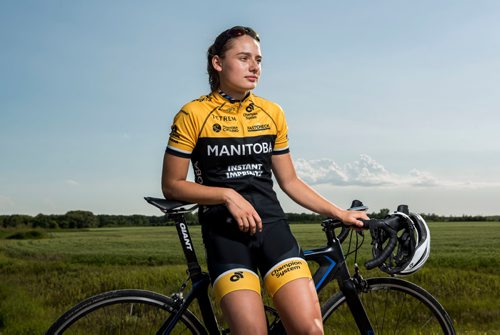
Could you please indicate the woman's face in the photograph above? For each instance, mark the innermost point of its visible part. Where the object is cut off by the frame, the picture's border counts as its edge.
(239, 68)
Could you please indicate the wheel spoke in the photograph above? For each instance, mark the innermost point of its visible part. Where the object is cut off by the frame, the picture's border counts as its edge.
(393, 306)
(124, 312)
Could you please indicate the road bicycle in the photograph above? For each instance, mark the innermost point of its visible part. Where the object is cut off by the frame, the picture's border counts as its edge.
(385, 305)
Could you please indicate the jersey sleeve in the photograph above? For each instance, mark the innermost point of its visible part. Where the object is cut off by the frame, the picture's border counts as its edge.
(183, 135)
(281, 144)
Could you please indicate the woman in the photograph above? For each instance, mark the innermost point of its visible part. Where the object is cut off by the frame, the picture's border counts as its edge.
(236, 140)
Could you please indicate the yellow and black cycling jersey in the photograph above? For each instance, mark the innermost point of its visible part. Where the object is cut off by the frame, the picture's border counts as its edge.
(231, 143)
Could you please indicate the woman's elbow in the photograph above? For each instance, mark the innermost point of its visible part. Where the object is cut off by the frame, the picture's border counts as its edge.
(167, 195)
(291, 185)
(168, 191)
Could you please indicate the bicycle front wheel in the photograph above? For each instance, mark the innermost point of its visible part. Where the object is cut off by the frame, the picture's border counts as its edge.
(124, 312)
(394, 306)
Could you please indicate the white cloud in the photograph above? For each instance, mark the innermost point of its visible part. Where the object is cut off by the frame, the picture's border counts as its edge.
(71, 182)
(323, 171)
(368, 172)
(419, 178)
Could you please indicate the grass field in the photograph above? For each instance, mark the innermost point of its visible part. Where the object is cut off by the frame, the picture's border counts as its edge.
(40, 278)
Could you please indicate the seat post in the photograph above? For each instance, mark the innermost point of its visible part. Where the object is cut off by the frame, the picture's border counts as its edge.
(186, 243)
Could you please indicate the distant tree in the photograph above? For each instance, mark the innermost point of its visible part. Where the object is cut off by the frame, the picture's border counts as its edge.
(431, 217)
(86, 219)
(304, 217)
(45, 221)
(80, 219)
(17, 221)
(138, 220)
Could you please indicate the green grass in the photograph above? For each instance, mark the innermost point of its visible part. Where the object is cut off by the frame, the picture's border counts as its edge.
(40, 278)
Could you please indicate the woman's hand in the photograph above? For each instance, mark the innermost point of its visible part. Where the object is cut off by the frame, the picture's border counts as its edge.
(243, 212)
(352, 217)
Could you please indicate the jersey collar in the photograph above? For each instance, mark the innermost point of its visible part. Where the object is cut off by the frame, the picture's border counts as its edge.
(221, 94)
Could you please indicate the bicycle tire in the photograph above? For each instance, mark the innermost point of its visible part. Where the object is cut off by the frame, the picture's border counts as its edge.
(394, 306)
(124, 312)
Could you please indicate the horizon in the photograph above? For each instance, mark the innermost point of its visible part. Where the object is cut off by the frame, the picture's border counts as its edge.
(497, 216)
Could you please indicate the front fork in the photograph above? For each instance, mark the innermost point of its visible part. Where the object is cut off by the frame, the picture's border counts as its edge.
(350, 288)
(358, 280)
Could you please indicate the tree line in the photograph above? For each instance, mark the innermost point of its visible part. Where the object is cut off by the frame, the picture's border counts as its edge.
(79, 219)
(84, 219)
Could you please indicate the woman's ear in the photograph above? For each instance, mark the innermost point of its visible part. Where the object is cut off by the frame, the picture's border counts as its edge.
(217, 63)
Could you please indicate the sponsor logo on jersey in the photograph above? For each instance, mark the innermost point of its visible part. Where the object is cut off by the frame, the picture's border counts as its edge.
(173, 129)
(231, 129)
(240, 170)
(239, 149)
(250, 107)
(174, 132)
(216, 127)
(250, 116)
(197, 173)
(227, 110)
(259, 127)
(223, 118)
(204, 98)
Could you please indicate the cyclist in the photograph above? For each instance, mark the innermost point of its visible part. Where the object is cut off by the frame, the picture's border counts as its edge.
(235, 141)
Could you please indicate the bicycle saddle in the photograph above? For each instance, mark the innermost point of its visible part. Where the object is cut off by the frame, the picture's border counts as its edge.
(166, 205)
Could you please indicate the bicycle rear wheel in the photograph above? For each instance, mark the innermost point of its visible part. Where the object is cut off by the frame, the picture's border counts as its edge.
(124, 312)
(394, 306)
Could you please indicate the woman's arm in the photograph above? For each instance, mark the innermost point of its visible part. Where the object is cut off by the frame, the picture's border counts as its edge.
(305, 196)
(176, 187)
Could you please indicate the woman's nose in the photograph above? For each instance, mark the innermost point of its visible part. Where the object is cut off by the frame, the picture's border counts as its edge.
(254, 66)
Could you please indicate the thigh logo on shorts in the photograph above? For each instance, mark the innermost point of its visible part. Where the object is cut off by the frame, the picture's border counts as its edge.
(285, 268)
(236, 276)
(284, 272)
(234, 280)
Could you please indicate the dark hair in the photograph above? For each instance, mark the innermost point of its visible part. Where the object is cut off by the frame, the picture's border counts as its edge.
(220, 46)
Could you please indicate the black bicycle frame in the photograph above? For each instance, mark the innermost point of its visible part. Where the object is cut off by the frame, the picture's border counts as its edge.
(332, 265)
(331, 261)
(200, 283)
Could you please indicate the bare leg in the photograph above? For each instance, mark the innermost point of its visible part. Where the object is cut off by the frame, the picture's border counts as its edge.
(244, 312)
(298, 306)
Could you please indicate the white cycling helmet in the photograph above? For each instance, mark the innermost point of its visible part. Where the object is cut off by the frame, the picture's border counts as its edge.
(423, 245)
(413, 247)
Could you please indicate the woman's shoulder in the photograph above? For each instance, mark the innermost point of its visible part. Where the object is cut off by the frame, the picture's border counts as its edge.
(198, 102)
(267, 104)
(198, 108)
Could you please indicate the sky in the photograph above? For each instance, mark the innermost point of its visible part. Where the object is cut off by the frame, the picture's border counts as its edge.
(388, 102)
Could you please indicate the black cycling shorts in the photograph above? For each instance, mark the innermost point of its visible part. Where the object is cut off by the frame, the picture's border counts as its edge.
(234, 257)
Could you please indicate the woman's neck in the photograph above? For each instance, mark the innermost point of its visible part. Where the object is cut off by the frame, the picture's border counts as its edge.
(231, 97)
(234, 94)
